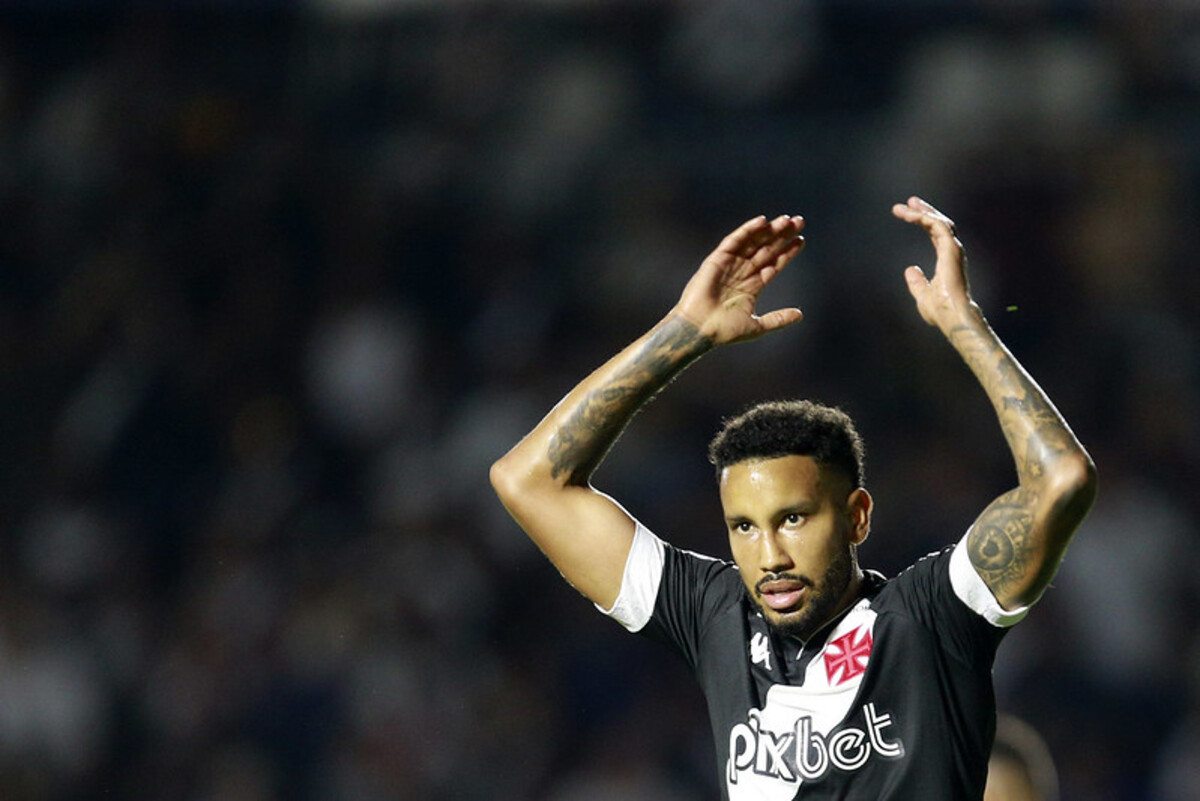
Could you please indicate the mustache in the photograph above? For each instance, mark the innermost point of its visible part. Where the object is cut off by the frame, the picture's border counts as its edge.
(796, 577)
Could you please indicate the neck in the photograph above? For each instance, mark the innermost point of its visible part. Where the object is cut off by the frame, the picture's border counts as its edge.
(853, 589)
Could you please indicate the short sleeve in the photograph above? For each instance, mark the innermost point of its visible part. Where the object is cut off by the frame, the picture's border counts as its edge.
(671, 595)
(952, 603)
(972, 591)
(639, 583)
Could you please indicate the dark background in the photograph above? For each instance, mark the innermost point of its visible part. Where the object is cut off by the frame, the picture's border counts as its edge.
(278, 282)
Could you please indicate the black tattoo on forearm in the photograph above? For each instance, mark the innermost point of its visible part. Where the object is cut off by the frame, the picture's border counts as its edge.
(579, 445)
(1036, 433)
(1016, 543)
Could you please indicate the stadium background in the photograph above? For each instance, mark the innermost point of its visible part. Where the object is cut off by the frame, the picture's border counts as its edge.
(277, 284)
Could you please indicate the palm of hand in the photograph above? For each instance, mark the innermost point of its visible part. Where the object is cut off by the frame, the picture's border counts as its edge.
(943, 299)
(721, 297)
(947, 292)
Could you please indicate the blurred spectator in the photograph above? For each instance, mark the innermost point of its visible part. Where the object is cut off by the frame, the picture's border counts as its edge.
(1020, 768)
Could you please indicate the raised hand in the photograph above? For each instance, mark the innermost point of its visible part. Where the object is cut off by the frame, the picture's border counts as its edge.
(945, 299)
(720, 298)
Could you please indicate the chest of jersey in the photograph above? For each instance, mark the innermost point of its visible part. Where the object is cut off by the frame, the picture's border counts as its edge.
(810, 719)
(892, 700)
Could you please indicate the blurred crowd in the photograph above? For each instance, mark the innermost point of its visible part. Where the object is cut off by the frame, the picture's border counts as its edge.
(277, 285)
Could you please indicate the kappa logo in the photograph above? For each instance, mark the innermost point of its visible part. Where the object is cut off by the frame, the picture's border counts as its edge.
(760, 650)
(846, 657)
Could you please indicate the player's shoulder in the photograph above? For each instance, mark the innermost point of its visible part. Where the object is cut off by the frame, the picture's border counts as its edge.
(917, 577)
(719, 577)
(931, 562)
(698, 562)
(677, 577)
(920, 566)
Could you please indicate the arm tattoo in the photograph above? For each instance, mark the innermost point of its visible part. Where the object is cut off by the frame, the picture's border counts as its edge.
(1035, 432)
(999, 543)
(579, 445)
(1015, 545)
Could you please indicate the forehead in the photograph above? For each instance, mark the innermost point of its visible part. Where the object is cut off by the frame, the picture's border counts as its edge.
(784, 479)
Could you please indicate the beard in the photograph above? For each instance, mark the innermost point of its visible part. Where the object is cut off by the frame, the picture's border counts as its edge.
(822, 603)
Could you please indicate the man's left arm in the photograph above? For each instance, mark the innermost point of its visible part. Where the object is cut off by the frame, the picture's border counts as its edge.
(1018, 541)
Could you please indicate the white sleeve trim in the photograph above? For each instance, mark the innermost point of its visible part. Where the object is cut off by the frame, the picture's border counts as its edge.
(970, 588)
(639, 583)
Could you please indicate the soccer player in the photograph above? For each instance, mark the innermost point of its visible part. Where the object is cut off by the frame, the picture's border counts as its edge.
(822, 680)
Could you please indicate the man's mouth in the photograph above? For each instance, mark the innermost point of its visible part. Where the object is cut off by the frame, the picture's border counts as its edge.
(781, 594)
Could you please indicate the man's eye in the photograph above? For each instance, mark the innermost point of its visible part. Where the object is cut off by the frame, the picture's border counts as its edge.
(793, 519)
(743, 527)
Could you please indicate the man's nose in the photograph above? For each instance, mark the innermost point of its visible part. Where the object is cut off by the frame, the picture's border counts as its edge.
(772, 557)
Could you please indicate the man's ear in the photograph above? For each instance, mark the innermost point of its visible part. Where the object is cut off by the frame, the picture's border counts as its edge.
(859, 505)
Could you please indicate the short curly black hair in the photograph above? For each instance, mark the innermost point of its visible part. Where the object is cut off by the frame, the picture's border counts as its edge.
(791, 428)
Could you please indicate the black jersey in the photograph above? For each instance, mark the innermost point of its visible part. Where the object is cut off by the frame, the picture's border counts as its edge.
(891, 700)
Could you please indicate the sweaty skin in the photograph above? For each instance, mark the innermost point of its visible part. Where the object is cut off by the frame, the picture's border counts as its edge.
(544, 481)
(793, 531)
(1015, 545)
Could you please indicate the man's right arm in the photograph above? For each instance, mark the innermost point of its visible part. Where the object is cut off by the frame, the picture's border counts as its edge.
(544, 481)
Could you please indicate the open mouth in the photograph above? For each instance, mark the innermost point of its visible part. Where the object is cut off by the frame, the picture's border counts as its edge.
(782, 594)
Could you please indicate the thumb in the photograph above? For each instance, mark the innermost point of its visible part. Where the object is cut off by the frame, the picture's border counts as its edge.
(779, 318)
(917, 283)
